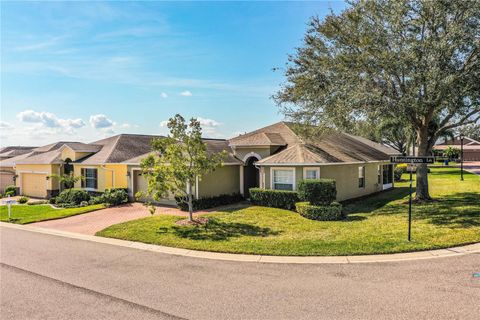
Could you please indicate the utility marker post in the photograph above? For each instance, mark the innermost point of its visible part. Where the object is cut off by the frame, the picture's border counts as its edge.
(411, 161)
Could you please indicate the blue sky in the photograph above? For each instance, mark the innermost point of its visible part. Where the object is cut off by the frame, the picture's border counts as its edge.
(85, 70)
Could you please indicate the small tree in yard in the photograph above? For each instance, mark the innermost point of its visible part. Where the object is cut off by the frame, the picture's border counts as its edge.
(67, 180)
(451, 153)
(178, 160)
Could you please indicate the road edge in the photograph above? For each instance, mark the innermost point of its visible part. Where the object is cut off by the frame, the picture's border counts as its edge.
(394, 257)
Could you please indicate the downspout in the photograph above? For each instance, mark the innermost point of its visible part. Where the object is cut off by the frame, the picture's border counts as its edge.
(113, 175)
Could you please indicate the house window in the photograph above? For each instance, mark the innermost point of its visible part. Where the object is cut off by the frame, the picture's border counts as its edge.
(387, 174)
(89, 178)
(283, 179)
(311, 173)
(361, 177)
(379, 174)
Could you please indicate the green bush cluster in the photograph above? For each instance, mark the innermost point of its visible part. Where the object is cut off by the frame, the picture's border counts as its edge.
(209, 202)
(398, 172)
(10, 191)
(274, 198)
(114, 197)
(23, 200)
(71, 198)
(330, 212)
(318, 191)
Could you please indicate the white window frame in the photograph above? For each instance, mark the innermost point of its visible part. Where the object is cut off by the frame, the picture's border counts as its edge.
(364, 173)
(305, 169)
(85, 178)
(272, 169)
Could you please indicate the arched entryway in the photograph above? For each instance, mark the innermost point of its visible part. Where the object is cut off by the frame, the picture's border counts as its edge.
(251, 176)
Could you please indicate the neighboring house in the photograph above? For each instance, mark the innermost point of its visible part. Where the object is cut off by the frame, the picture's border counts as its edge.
(7, 173)
(273, 157)
(471, 148)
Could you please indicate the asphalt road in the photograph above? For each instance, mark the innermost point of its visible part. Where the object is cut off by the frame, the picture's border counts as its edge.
(45, 276)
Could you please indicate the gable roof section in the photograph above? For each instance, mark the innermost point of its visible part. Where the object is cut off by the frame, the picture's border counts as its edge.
(278, 134)
(48, 154)
(334, 148)
(13, 151)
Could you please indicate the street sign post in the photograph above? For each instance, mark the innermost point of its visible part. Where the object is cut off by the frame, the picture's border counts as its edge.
(9, 203)
(411, 161)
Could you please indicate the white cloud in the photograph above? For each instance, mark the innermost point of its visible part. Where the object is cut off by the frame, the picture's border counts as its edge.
(186, 93)
(30, 116)
(164, 95)
(5, 125)
(99, 121)
(208, 123)
(48, 122)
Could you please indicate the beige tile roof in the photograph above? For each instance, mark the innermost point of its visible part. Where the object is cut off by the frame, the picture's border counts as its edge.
(278, 134)
(334, 148)
(13, 151)
(119, 148)
(213, 146)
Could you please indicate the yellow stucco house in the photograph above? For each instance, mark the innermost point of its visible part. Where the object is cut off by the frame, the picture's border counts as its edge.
(274, 157)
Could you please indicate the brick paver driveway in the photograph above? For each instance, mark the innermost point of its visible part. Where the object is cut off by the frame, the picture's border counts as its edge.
(90, 223)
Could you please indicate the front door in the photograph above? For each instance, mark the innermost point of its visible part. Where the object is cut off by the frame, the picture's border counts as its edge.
(251, 177)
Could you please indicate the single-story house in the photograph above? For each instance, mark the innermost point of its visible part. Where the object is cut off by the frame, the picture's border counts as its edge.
(471, 148)
(7, 173)
(274, 157)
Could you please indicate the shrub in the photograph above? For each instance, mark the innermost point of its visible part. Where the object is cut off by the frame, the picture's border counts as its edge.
(317, 192)
(399, 171)
(83, 203)
(10, 191)
(274, 198)
(23, 200)
(52, 200)
(72, 197)
(329, 212)
(37, 202)
(114, 197)
(95, 200)
(209, 202)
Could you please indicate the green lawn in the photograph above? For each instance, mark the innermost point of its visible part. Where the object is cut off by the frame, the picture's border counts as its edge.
(377, 224)
(23, 214)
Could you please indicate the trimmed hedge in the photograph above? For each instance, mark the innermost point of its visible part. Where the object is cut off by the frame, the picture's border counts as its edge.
(274, 198)
(23, 200)
(330, 212)
(10, 191)
(399, 171)
(72, 197)
(209, 202)
(114, 197)
(318, 191)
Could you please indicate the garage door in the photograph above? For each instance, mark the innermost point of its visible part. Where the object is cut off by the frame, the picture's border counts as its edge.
(140, 184)
(6, 179)
(34, 185)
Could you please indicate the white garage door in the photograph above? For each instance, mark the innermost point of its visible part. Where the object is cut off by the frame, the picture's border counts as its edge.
(34, 185)
(6, 179)
(140, 184)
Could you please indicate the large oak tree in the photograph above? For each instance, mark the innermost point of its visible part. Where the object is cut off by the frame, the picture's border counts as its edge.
(413, 61)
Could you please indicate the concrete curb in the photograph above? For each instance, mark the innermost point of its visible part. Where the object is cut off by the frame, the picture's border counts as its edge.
(419, 255)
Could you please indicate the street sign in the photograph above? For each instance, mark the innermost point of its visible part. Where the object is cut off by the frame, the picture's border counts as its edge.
(9, 203)
(412, 160)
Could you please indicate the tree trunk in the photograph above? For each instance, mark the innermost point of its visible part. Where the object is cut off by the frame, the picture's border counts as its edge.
(422, 169)
(190, 202)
